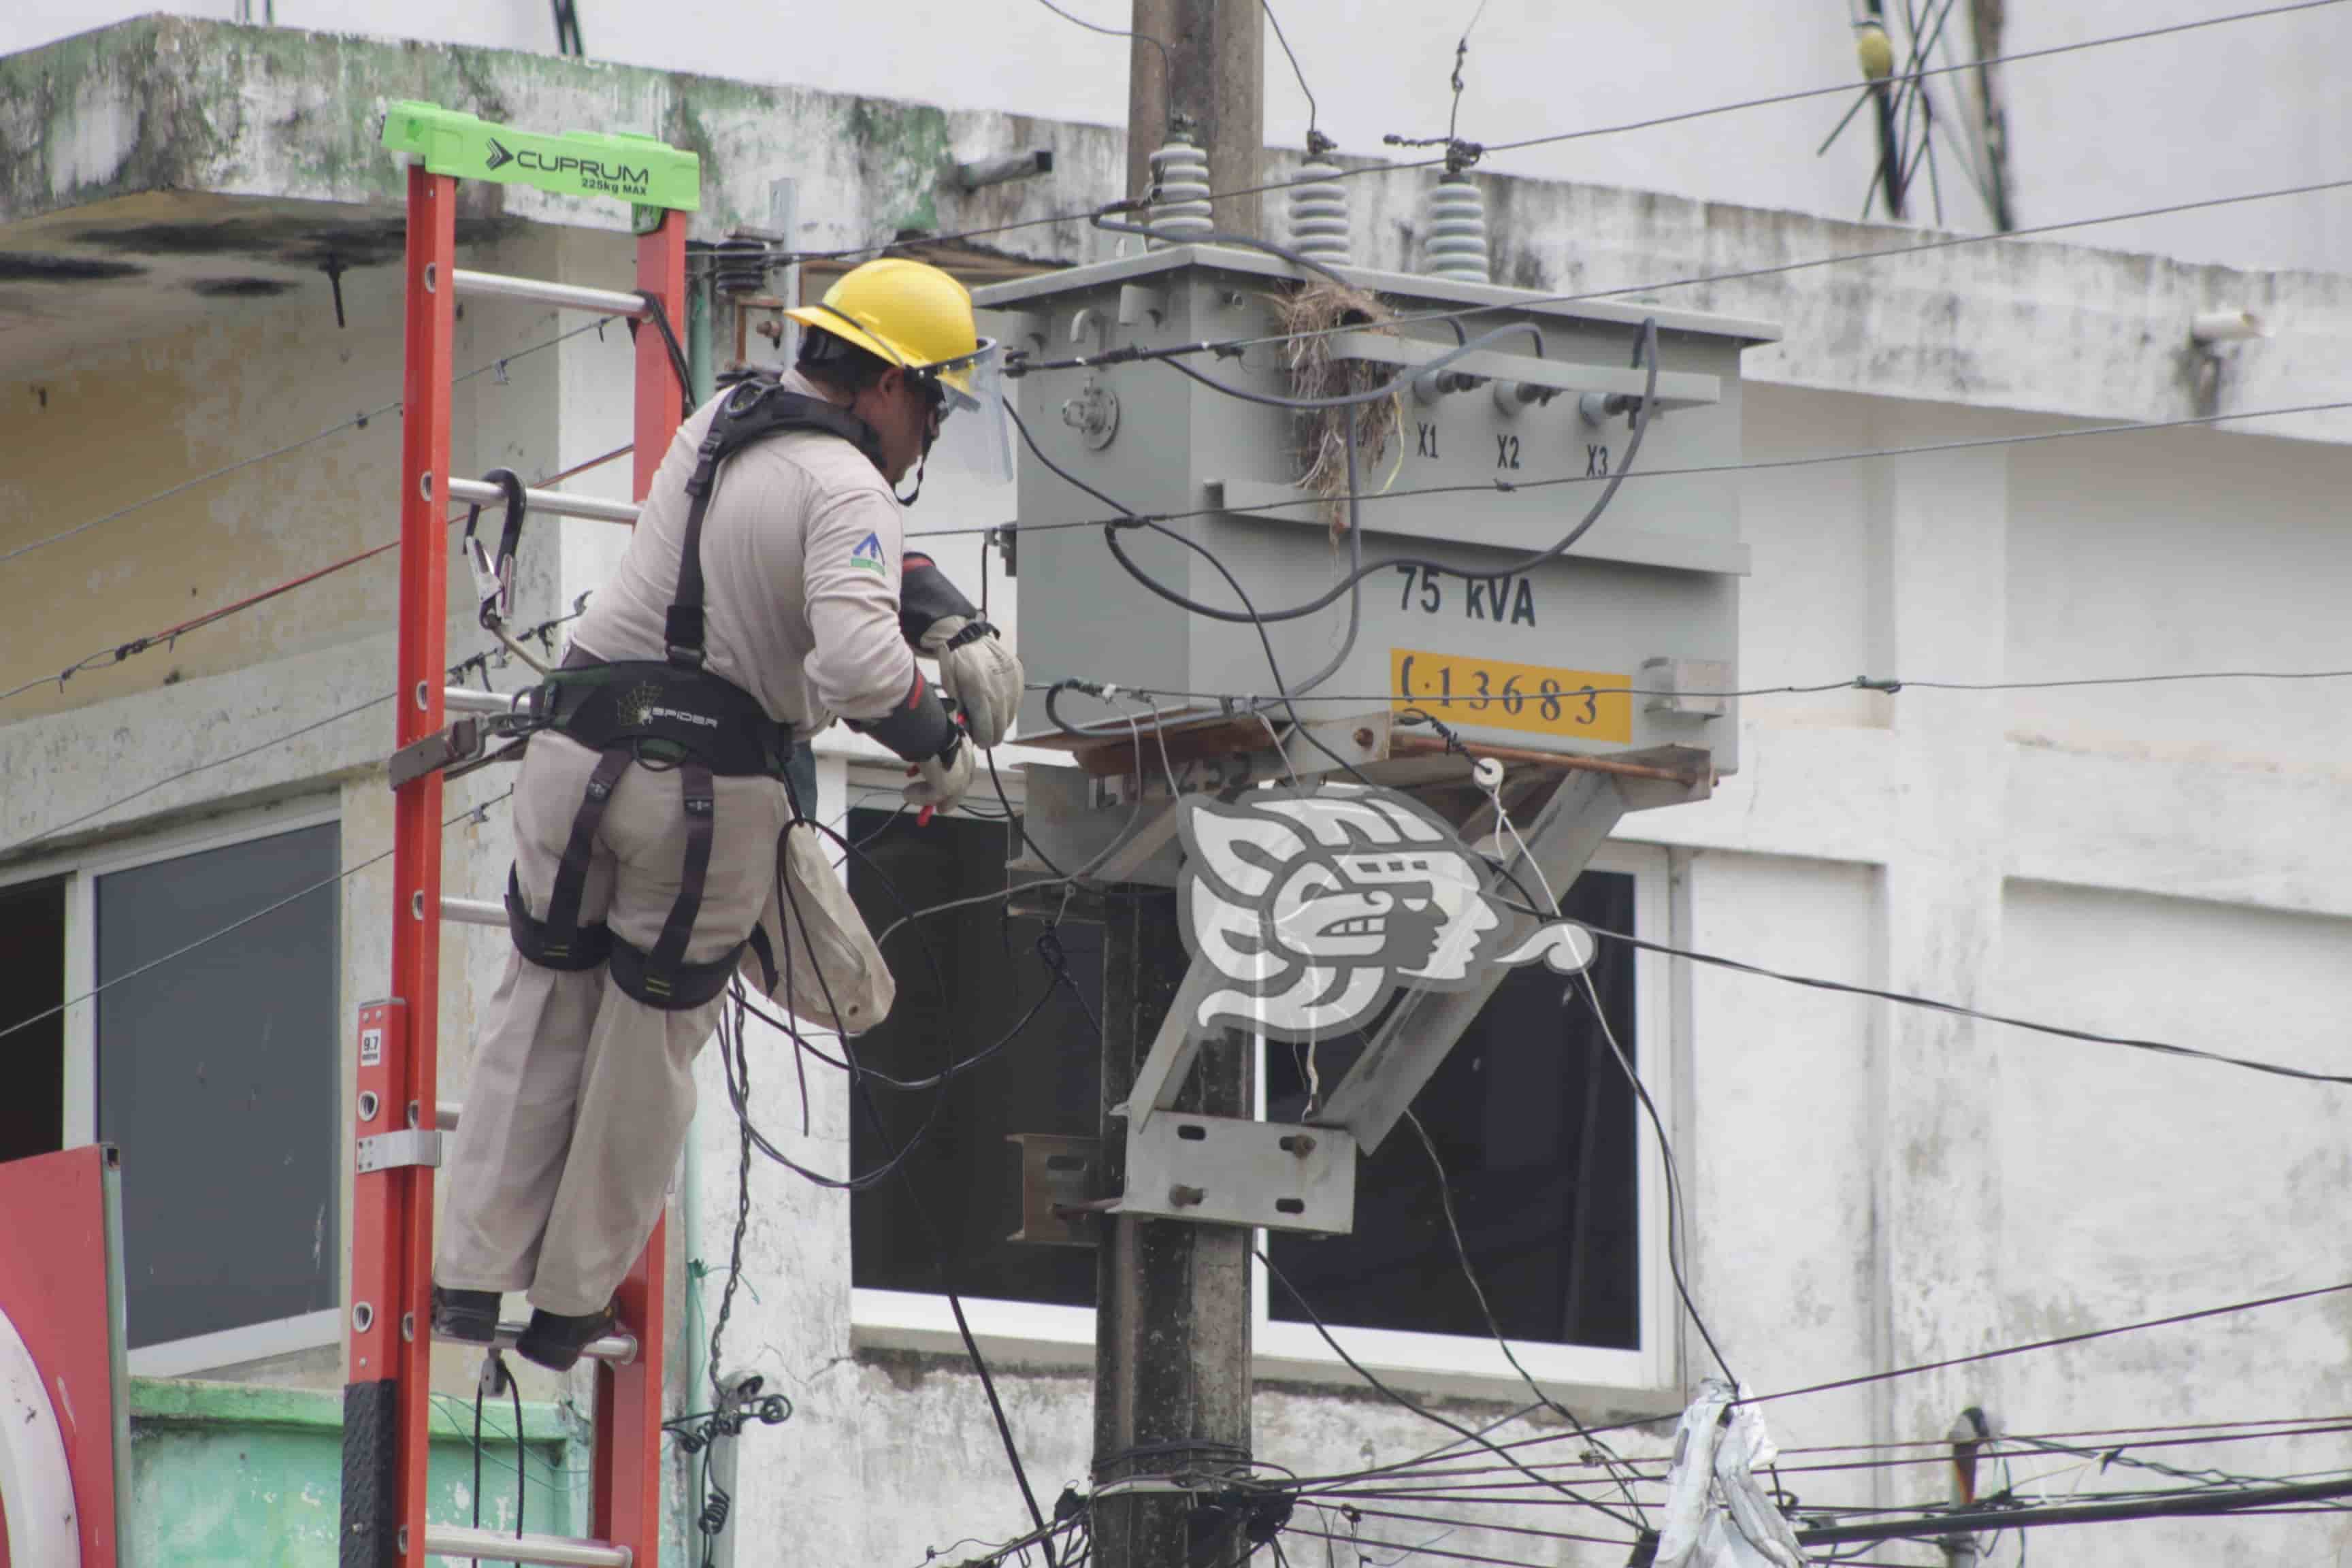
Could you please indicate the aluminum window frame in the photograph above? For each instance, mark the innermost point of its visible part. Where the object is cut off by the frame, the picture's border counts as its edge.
(80, 867)
(1038, 1333)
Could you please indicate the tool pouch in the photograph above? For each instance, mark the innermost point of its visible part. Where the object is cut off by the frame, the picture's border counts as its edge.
(820, 942)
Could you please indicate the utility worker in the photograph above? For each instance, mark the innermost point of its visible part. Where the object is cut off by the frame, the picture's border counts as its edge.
(763, 593)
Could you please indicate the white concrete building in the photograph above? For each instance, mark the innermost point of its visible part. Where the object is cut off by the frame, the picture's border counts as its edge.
(2184, 116)
(1867, 1187)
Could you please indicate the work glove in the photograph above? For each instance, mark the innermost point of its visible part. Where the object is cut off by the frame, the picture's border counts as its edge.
(975, 666)
(941, 781)
(979, 672)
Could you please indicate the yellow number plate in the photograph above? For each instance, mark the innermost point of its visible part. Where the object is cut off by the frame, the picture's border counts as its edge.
(1581, 704)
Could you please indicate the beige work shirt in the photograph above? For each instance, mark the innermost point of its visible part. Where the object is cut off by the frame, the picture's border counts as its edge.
(799, 565)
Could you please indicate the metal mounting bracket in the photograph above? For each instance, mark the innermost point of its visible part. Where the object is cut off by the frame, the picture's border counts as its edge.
(1057, 1185)
(1220, 1170)
(389, 1151)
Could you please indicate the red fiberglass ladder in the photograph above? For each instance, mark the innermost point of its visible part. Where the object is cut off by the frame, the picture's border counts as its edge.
(386, 1402)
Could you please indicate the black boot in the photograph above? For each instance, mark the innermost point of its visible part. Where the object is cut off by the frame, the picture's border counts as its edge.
(471, 1316)
(554, 1340)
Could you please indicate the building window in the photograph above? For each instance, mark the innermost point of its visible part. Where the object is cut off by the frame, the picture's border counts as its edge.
(1044, 1081)
(1534, 1124)
(210, 1056)
(1554, 1175)
(32, 989)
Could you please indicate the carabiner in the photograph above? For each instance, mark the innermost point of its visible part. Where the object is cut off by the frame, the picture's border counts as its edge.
(494, 577)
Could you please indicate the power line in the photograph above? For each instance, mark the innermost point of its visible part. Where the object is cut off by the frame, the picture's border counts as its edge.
(2199, 1315)
(1313, 134)
(456, 672)
(348, 871)
(1837, 90)
(57, 827)
(1948, 242)
(170, 635)
(1166, 71)
(356, 422)
(1761, 465)
(2061, 1031)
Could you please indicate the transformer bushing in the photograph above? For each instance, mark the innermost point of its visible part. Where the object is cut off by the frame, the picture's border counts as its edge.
(1455, 242)
(1319, 227)
(1180, 184)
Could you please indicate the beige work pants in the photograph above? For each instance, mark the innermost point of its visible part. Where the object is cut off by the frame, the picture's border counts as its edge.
(580, 1095)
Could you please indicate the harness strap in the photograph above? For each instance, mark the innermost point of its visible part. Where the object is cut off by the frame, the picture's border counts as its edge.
(562, 923)
(765, 951)
(589, 947)
(752, 412)
(702, 817)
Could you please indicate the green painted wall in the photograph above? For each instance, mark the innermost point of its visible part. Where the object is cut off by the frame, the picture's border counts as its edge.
(229, 1475)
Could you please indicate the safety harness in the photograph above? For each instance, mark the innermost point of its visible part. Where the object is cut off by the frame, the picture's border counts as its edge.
(665, 713)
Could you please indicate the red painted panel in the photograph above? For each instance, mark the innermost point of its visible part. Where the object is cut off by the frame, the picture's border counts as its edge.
(53, 1261)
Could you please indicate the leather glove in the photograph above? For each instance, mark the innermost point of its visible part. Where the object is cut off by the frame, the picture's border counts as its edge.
(980, 672)
(941, 781)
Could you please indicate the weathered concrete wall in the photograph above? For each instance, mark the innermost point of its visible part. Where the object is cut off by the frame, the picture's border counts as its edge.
(2213, 112)
(235, 1477)
(1974, 326)
(1869, 1186)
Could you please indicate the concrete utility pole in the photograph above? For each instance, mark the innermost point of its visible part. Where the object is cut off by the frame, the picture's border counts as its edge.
(1173, 1297)
(1173, 1314)
(1215, 79)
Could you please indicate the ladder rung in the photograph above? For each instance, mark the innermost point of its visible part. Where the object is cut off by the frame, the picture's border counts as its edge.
(558, 1551)
(466, 699)
(473, 912)
(561, 502)
(567, 296)
(618, 1348)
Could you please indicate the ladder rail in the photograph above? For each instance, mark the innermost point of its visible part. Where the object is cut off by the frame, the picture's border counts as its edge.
(388, 1383)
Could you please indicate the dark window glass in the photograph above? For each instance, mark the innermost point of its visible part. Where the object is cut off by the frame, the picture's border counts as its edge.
(1534, 1121)
(989, 975)
(1531, 1114)
(33, 982)
(217, 1075)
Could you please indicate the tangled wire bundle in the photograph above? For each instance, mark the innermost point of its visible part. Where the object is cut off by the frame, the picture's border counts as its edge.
(1312, 311)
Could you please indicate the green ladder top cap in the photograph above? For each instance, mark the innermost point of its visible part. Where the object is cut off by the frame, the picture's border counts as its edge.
(636, 169)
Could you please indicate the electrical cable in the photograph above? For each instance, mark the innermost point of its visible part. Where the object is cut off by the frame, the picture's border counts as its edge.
(1676, 1219)
(456, 672)
(2061, 1031)
(1504, 487)
(28, 1021)
(1834, 89)
(1648, 353)
(1421, 1410)
(169, 636)
(57, 827)
(1167, 72)
(1947, 242)
(1296, 68)
(914, 1198)
(1610, 1460)
(357, 422)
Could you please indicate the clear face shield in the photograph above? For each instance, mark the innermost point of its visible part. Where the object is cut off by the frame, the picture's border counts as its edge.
(975, 435)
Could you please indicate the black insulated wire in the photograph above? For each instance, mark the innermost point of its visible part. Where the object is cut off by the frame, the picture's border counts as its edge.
(1648, 353)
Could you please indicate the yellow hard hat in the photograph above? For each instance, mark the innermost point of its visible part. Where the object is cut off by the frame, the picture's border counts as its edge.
(903, 313)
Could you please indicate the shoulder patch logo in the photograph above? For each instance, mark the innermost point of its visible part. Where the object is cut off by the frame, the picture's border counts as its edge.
(867, 556)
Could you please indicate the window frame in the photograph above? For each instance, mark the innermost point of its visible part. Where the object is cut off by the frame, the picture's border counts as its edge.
(80, 869)
(1038, 1333)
